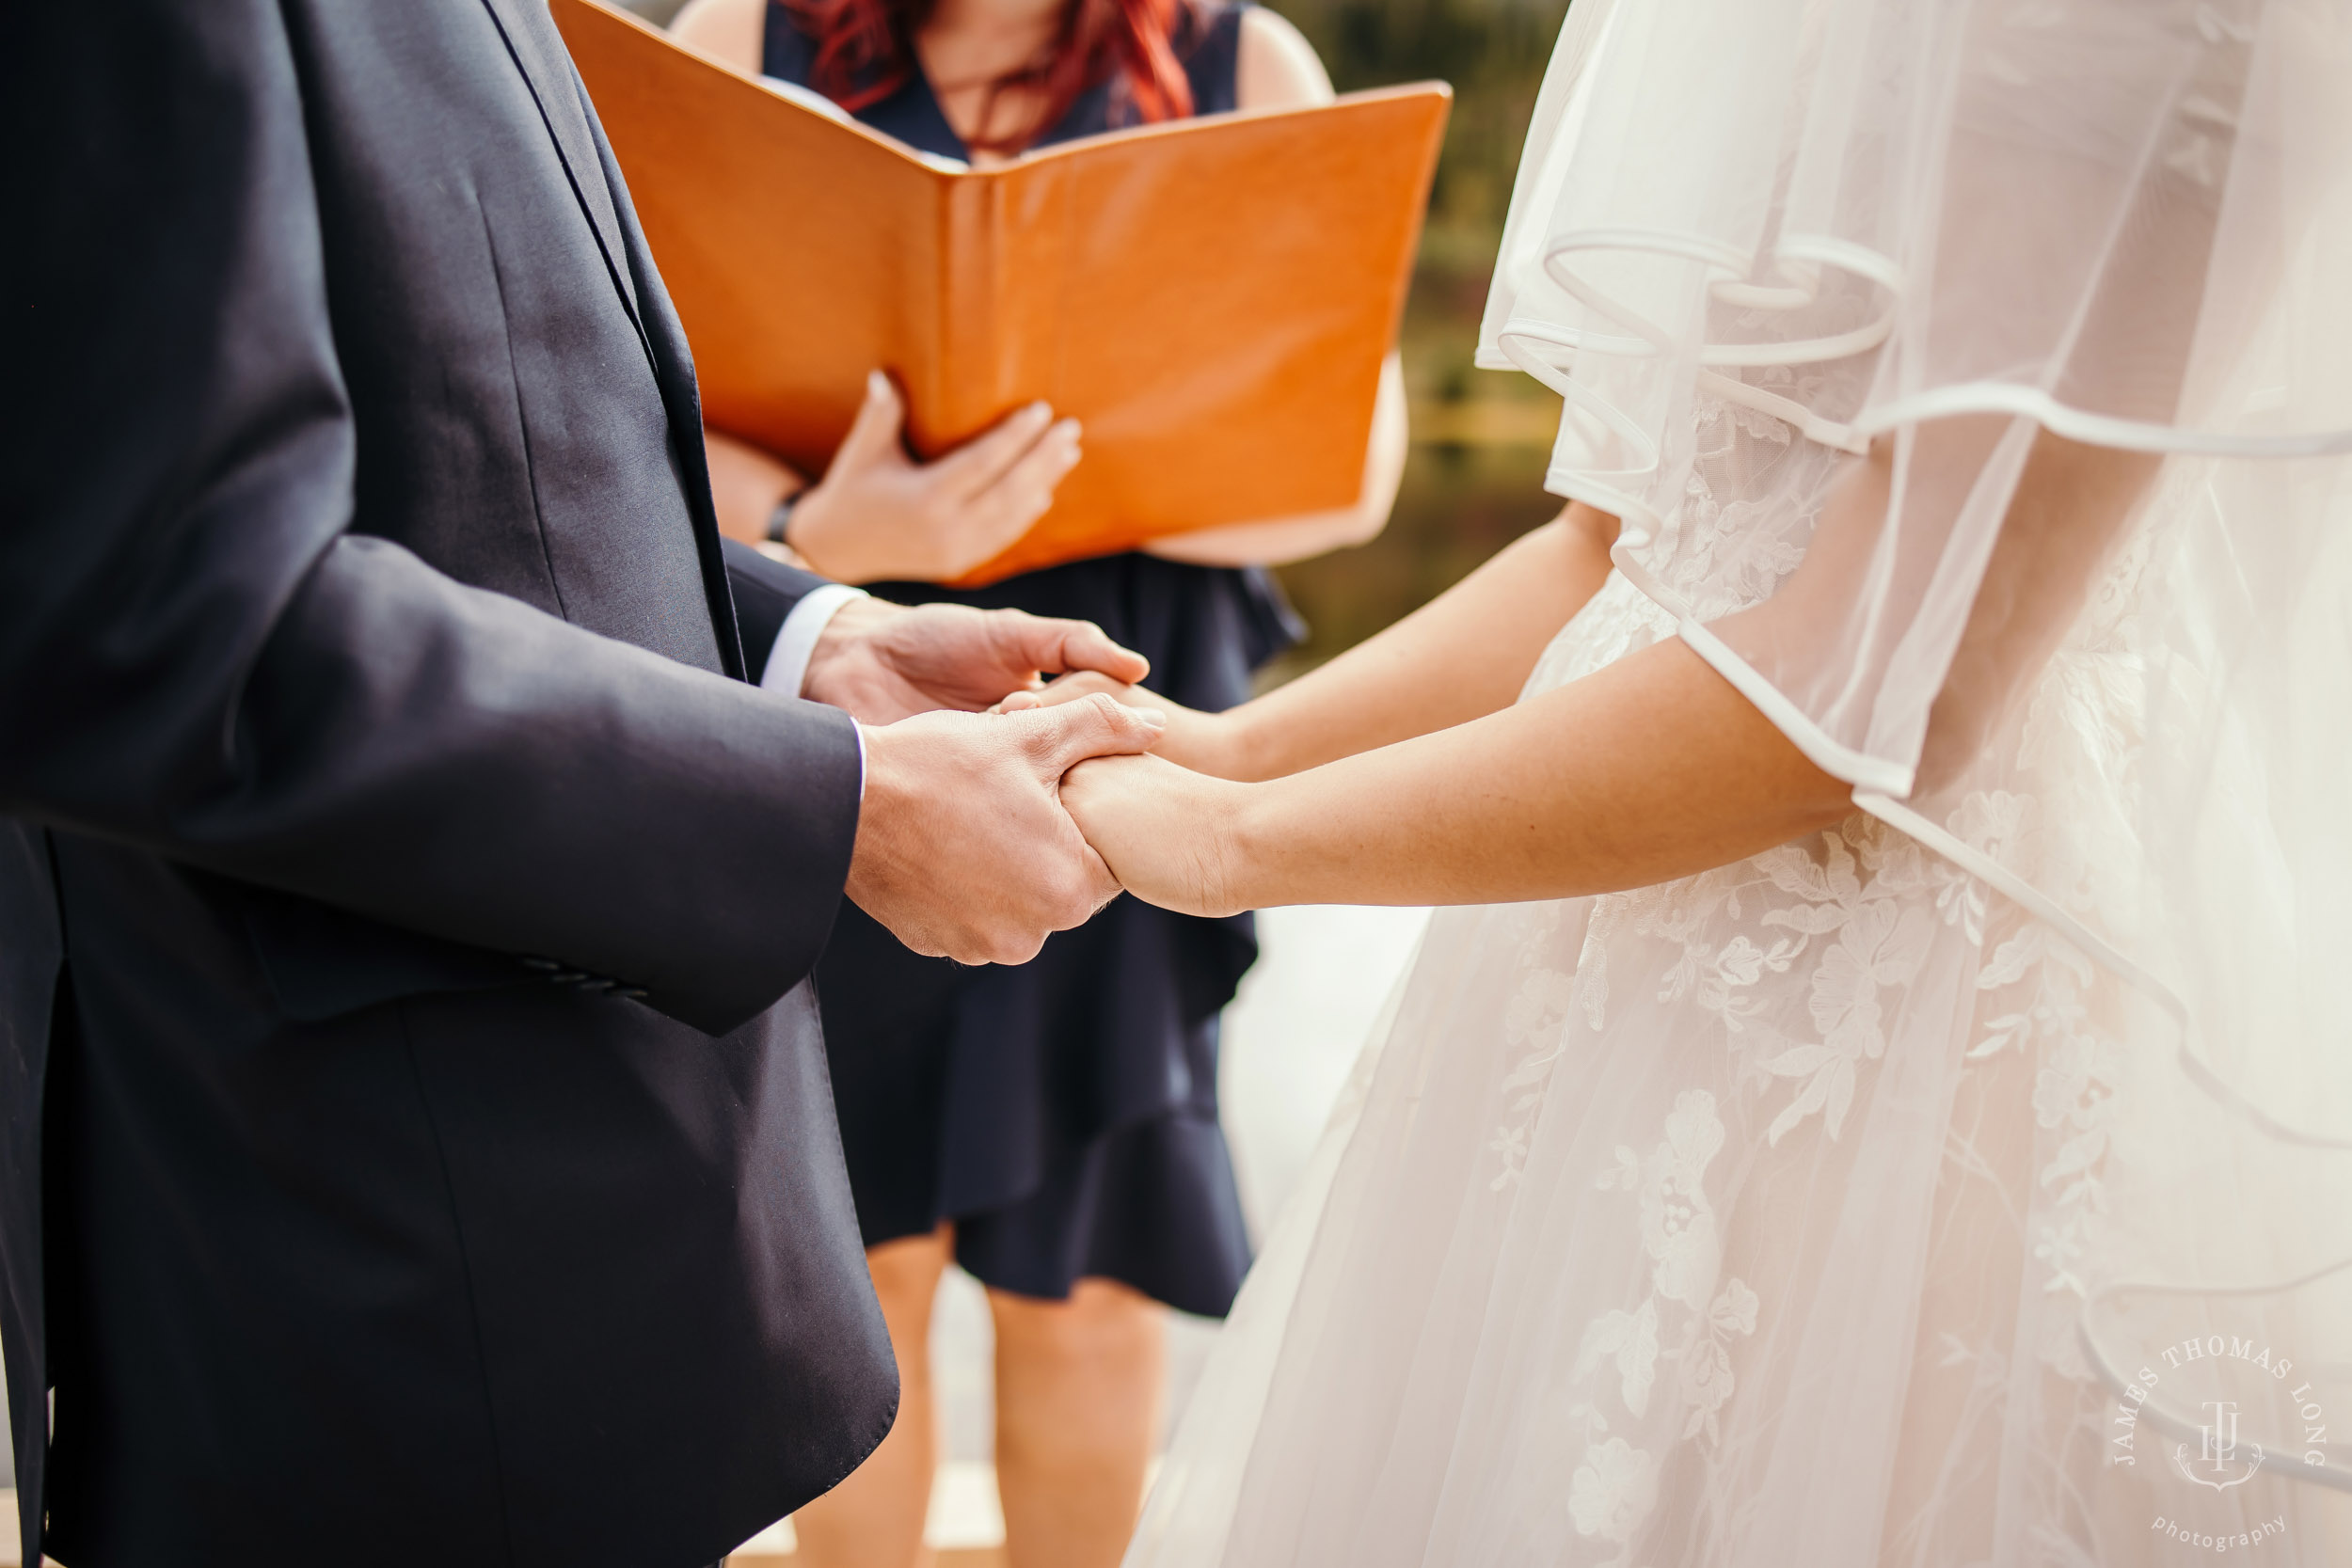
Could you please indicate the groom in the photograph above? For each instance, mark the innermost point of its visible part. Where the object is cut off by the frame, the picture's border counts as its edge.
(417, 1146)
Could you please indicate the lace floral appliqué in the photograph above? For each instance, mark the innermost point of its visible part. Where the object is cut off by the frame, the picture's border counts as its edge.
(1685, 1321)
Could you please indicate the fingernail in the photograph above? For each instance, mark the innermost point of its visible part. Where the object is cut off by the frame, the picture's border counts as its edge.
(1156, 718)
(876, 384)
(1073, 429)
(1038, 412)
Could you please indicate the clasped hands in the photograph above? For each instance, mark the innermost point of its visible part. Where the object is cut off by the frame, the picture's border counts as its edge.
(966, 847)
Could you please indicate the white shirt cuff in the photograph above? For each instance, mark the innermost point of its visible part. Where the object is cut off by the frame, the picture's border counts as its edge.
(796, 641)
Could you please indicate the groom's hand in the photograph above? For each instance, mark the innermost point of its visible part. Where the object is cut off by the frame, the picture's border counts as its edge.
(963, 849)
(886, 662)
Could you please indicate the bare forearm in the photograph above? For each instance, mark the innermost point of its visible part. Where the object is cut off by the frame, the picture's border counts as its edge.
(1652, 769)
(1460, 657)
(1656, 767)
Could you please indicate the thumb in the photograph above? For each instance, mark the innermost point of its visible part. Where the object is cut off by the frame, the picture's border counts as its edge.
(1085, 645)
(1058, 647)
(1061, 737)
(876, 435)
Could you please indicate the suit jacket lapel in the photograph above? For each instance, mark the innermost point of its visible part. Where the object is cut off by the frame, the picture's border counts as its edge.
(547, 70)
(673, 370)
(538, 53)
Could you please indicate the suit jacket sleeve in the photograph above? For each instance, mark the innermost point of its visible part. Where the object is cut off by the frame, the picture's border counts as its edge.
(197, 656)
(765, 592)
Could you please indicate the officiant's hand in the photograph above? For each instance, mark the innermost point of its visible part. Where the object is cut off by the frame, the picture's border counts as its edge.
(884, 662)
(880, 515)
(964, 849)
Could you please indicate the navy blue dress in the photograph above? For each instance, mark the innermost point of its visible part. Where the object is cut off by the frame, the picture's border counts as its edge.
(1063, 1111)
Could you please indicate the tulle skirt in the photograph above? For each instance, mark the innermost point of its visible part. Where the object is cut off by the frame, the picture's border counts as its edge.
(1753, 1219)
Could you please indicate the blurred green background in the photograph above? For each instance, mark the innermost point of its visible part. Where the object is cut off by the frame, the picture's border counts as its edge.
(1474, 481)
(1480, 438)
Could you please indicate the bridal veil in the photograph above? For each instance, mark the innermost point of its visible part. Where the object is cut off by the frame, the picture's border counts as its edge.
(1973, 1183)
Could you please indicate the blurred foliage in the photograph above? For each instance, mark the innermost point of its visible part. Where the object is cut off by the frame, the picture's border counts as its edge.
(1474, 481)
(1494, 53)
(1458, 505)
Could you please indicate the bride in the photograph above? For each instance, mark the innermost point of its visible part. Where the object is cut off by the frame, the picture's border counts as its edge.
(1885, 1095)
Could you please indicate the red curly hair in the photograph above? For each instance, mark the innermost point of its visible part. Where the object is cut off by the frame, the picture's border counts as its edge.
(866, 52)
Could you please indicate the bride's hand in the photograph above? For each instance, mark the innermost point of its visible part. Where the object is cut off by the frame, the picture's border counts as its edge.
(1204, 742)
(1165, 831)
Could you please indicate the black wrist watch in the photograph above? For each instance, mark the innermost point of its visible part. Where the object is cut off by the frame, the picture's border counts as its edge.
(781, 518)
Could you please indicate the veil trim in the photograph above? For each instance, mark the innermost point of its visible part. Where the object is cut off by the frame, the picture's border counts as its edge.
(1736, 285)
(2094, 430)
(2193, 1064)
(1858, 768)
(2107, 955)
(1878, 786)
(1803, 253)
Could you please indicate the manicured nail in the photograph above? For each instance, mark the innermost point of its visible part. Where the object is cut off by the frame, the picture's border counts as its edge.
(1156, 718)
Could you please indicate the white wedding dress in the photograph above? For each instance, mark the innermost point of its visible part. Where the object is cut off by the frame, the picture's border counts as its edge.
(1967, 1184)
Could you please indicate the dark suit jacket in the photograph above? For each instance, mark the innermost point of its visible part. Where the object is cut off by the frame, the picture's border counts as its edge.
(417, 1141)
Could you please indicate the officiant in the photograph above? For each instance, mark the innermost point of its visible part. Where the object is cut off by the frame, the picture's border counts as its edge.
(1052, 1126)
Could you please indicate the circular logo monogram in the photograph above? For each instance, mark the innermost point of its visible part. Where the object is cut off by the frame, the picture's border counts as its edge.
(2213, 1411)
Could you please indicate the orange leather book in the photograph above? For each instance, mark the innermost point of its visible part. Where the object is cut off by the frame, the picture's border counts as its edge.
(1210, 297)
